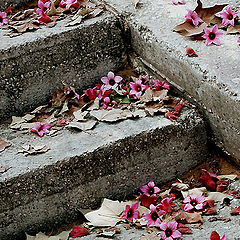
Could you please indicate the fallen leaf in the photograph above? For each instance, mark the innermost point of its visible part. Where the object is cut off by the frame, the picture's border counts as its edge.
(180, 186)
(74, 21)
(94, 105)
(52, 11)
(139, 113)
(191, 53)
(83, 126)
(207, 14)
(97, 11)
(25, 27)
(227, 177)
(42, 236)
(233, 29)
(28, 149)
(224, 219)
(195, 191)
(235, 211)
(153, 95)
(111, 115)
(107, 215)
(149, 236)
(4, 145)
(22, 15)
(217, 196)
(80, 116)
(189, 217)
(64, 108)
(188, 30)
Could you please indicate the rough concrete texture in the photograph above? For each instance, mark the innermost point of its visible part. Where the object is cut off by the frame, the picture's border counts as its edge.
(35, 64)
(41, 191)
(211, 79)
(230, 229)
(11, 3)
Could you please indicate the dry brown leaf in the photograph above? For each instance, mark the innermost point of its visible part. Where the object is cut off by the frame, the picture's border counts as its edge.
(111, 115)
(52, 11)
(97, 11)
(180, 186)
(107, 215)
(233, 29)
(227, 177)
(218, 196)
(83, 126)
(194, 191)
(207, 14)
(188, 30)
(26, 27)
(28, 149)
(22, 15)
(189, 217)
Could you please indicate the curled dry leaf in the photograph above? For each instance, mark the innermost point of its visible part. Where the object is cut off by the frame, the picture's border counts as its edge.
(22, 15)
(180, 186)
(188, 217)
(227, 177)
(153, 95)
(218, 196)
(28, 149)
(80, 116)
(25, 27)
(111, 115)
(195, 191)
(188, 30)
(107, 215)
(208, 14)
(4, 145)
(41, 236)
(52, 11)
(83, 126)
(233, 29)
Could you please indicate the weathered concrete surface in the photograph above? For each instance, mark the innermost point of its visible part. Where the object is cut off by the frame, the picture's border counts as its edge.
(212, 79)
(35, 64)
(11, 3)
(43, 191)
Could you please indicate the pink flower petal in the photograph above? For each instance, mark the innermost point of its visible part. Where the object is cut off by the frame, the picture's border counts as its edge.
(186, 200)
(176, 234)
(173, 225)
(104, 80)
(163, 235)
(200, 199)
(199, 206)
(110, 75)
(163, 226)
(118, 79)
(216, 41)
(144, 188)
(151, 184)
(188, 207)
(135, 205)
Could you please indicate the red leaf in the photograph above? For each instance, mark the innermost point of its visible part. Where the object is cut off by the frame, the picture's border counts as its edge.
(214, 236)
(148, 200)
(235, 211)
(191, 53)
(222, 185)
(78, 232)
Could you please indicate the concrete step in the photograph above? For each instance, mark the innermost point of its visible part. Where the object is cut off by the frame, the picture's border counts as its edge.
(40, 192)
(36, 64)
(211, 79)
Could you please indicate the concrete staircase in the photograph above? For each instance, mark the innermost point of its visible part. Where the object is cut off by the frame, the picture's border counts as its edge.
(44, 191)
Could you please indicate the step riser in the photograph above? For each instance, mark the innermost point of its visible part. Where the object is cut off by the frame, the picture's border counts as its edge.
(79, 57)
(113, 171)
(221, 108)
